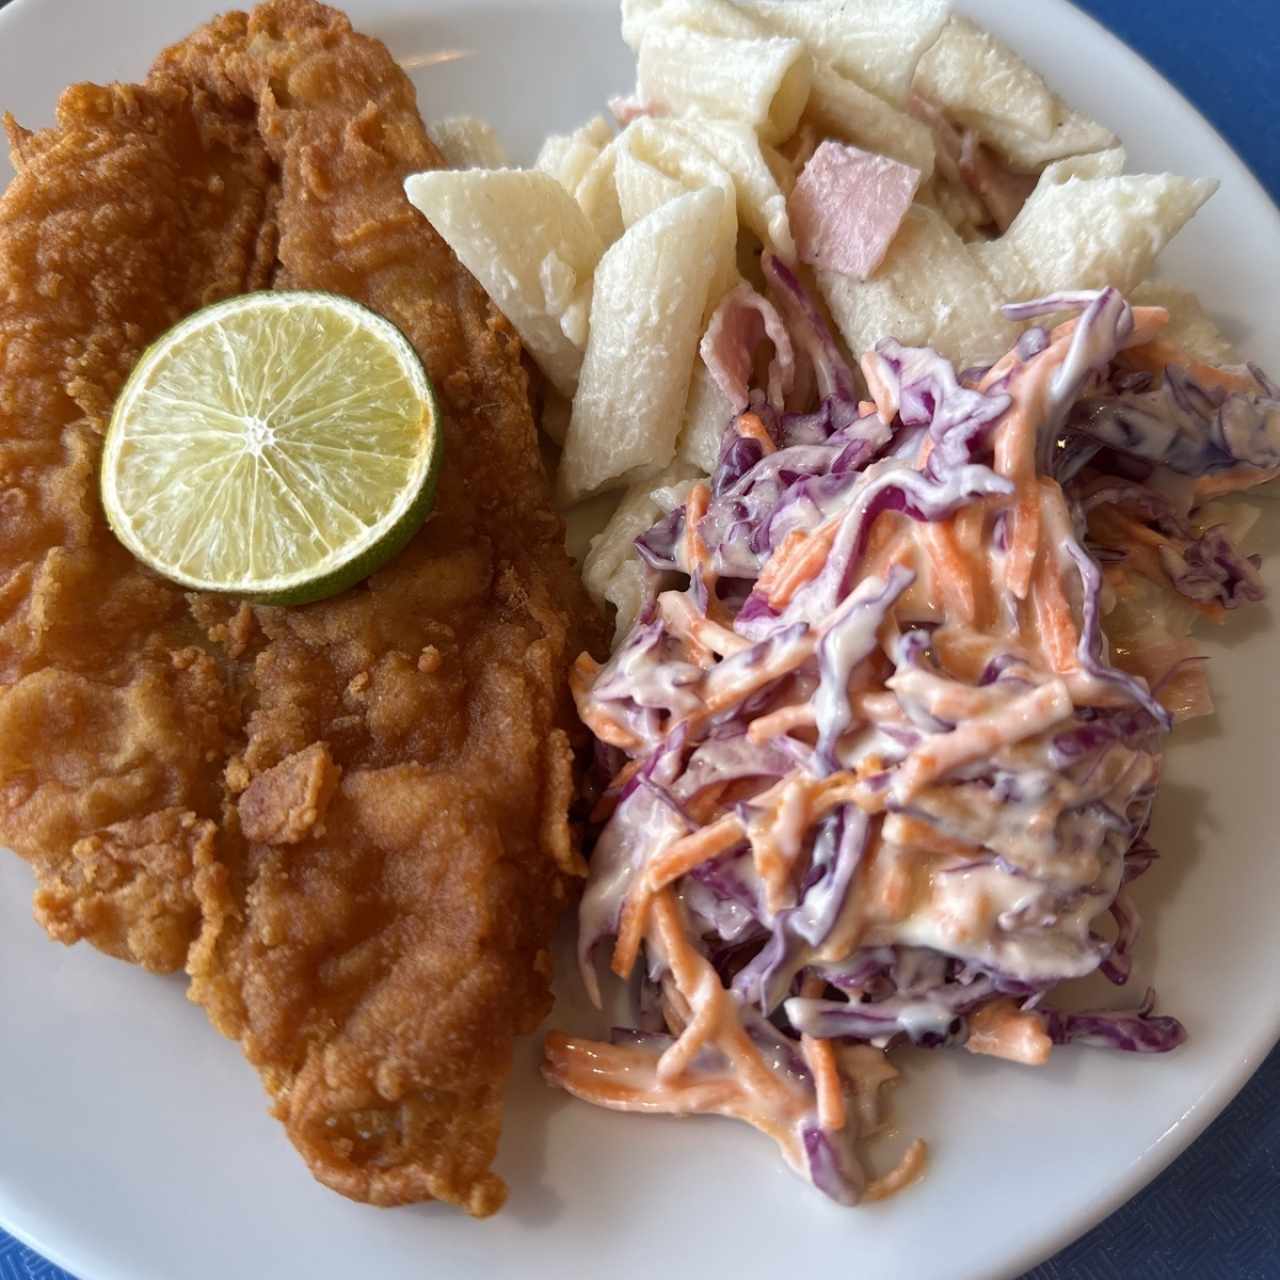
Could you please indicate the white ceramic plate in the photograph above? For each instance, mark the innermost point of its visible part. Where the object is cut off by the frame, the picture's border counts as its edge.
(135, 1144)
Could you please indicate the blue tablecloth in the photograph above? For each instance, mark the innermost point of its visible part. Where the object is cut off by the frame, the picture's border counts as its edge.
(1215, 1214)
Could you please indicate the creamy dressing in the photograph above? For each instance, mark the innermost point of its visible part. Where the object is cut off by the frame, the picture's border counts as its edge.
(891, 789)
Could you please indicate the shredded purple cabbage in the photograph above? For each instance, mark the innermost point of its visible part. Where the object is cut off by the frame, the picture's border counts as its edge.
(1210, 570)
(809, 330)
(1192, 429)
(833, 1165)
(1136, 1031)
(1119, 962)
(928, 394)
(1049, 833)
(1205, 568)
(1092, 648)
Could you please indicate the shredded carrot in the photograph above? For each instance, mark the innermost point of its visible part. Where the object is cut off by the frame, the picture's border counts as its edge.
(606, 1075)
(891, 888)
(609, 730)
(1054, 621)
(893, 540)
(691, 851)
(696, 504)
(1015, 459)
(885, 889)
(918, 833)
(624, 1079)
(696, 557)
(776, 841)
(602, 810)
(1021, 717)
(886, 402)
(625, 774)
(581, 674)
(915, 732)
(821, 796)
(969, 523)
(631, 930)
(702, 808)
(686, 964)
(821, 1058)
(1001, 1030)
(841, 789)
(750, 426)
(719, 695)
(852, 922)
(1236, 480)
(1016, 435)
(704, 636)
(910, 1167)
(798, 560)
(699, 1029)
(953, 569)
(1024, 541)
(1147, 323)
(762, 728)
(698, 983)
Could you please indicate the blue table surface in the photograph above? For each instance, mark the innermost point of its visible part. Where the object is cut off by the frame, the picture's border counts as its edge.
(1215, 1213)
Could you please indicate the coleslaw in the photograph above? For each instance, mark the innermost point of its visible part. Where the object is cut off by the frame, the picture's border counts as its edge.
(869, 770)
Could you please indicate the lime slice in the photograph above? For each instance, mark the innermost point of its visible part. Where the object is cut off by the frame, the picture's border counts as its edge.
(280, 446)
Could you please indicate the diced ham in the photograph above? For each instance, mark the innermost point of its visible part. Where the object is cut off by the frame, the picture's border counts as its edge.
(847, 206)
(741, 322)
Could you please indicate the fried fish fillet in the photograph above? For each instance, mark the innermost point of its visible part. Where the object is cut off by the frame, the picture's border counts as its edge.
(115, 717)
(348, 820)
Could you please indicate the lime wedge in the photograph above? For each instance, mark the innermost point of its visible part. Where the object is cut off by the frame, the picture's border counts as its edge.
(279, 446)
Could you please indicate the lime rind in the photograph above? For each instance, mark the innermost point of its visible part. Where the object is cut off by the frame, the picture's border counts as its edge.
(279, 446)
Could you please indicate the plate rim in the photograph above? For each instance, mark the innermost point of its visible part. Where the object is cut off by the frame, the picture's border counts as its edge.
(1210, 1103)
